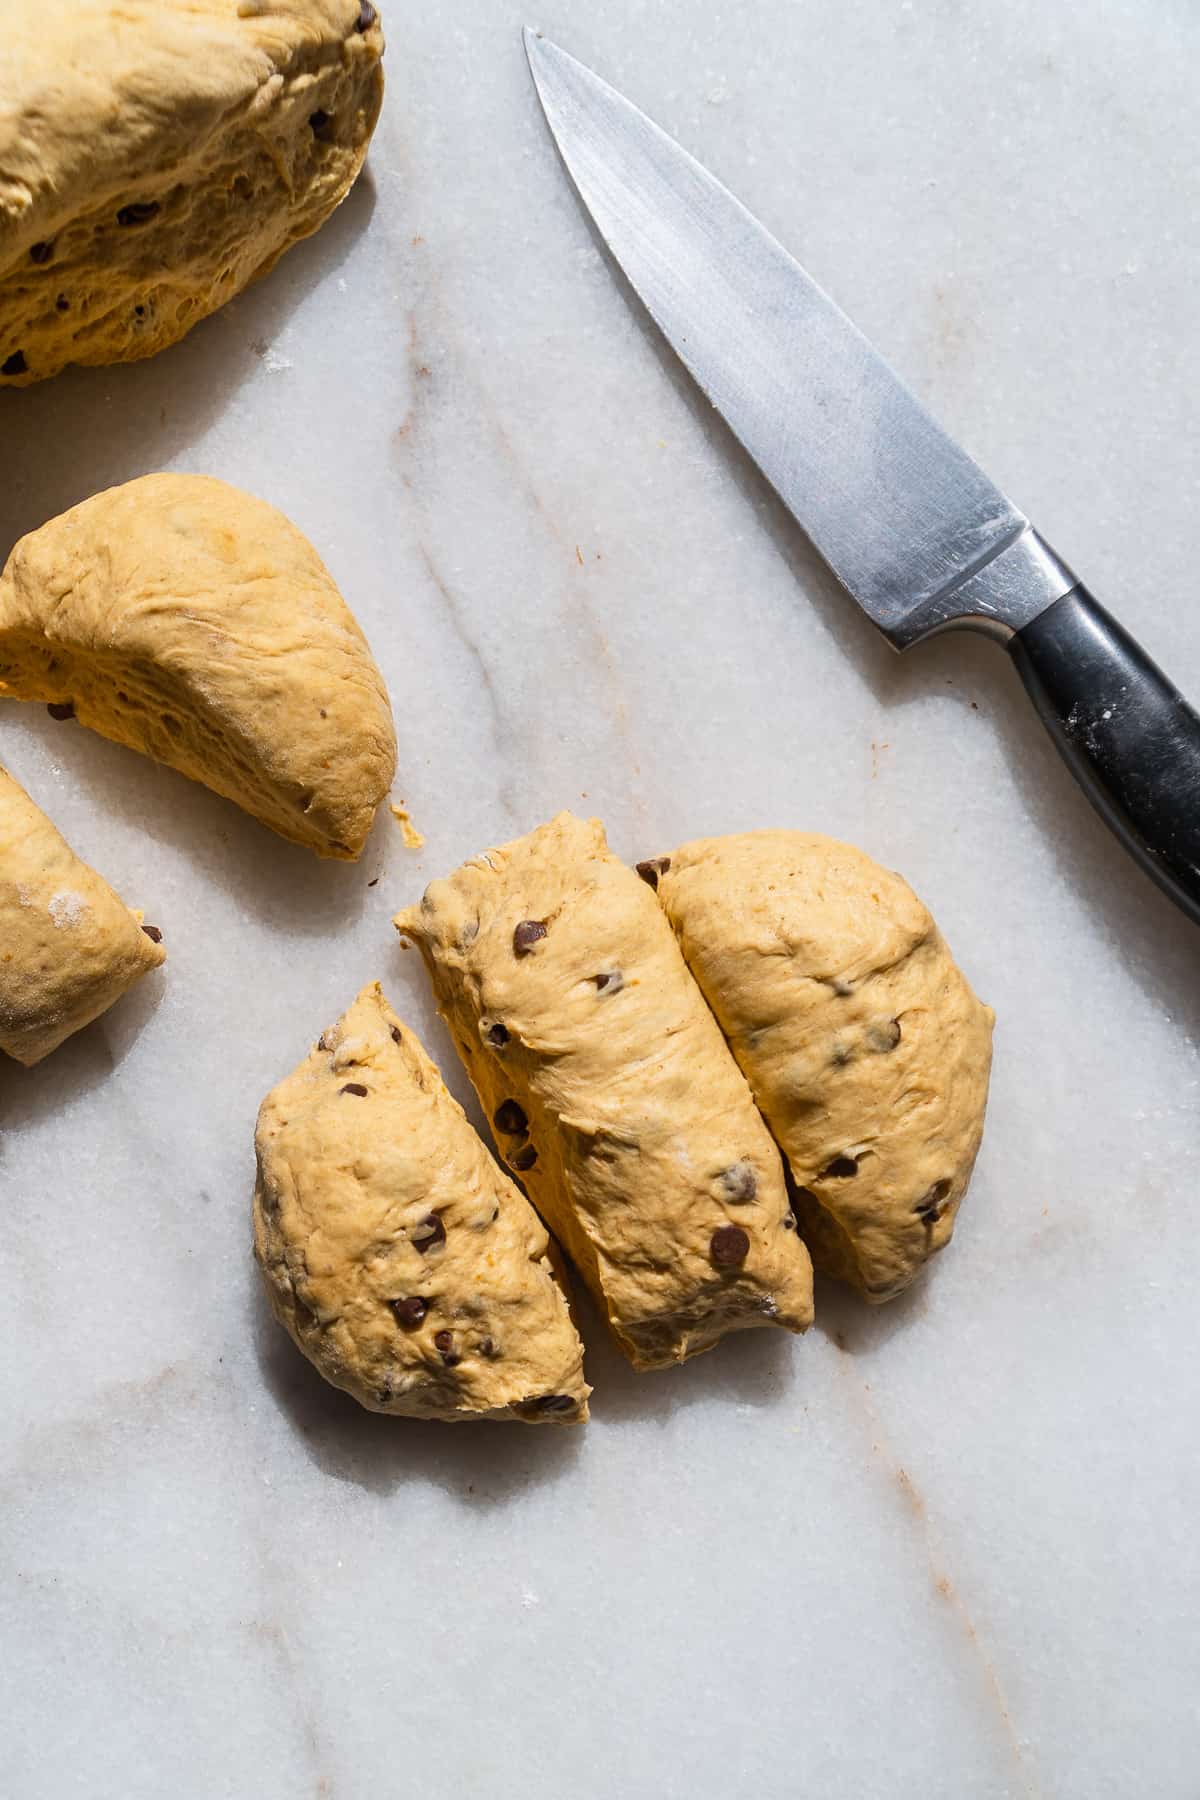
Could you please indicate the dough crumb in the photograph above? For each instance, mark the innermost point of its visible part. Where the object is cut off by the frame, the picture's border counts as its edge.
(413, 839)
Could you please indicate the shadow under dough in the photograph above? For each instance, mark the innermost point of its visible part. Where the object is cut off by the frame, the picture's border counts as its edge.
(854, 1326)
(284, 882)
(88, 429)
(747, 1368)
(483, 1465)
(27, 1096)
(493, 1464)
(91, 428)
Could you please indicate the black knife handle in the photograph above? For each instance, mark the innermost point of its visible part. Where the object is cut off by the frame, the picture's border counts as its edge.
(1130, 739)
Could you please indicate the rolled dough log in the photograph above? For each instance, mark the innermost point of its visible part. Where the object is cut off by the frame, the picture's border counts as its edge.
(611, 1092)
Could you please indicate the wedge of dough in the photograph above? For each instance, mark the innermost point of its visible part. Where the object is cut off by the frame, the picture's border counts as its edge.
(405, 1264)
(866, 1050)
(157, 155)
(612, 1093)
(193, 622)
(68, 947)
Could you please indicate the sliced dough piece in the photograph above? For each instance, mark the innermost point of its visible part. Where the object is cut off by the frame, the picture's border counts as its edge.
(154, 158)
(866, 1050)
(405, 1264)
(612, 1093)
(68, 947)
(193, 622)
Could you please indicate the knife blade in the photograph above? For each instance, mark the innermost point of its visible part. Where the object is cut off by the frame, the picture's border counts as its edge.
(907, 521)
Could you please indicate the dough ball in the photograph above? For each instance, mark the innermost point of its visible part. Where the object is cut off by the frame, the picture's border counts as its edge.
(611, 1092)
(405, 1264)
(68, 947)
(158, 155)
(194, 623)
(864, 1047)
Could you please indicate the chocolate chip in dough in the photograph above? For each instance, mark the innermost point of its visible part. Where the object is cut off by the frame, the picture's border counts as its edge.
(729, 1246)
(930, 1208)
(61, 709)
(653, 868)
(319, 123)
(138, 212)
(409, 1311)
(41, 252)
(444, 1342)
(884, 1037)
(428, 1234)
(366, 16)
(14, 364)
(553, 1403)
(739, 1181)
(354, 1087)
(497, 1036)
(523, 1159)
(510, 1119)
(840, 1169)
(487, 1346)
(397, 1035)
(153, 933)
(528, 933)
(611, 982)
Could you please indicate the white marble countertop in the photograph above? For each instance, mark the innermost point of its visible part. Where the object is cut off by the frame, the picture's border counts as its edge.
(943, 1550)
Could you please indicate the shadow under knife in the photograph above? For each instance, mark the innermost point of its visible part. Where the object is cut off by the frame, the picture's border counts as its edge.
(1149, 934)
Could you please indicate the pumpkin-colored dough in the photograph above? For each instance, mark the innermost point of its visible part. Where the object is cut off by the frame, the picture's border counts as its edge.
(68, 946)
(158, 155)
(612, 1093)
(866, 1050)
(405, 1264)
(193, 622)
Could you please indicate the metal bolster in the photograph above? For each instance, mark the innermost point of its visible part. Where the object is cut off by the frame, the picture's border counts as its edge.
(999, 599)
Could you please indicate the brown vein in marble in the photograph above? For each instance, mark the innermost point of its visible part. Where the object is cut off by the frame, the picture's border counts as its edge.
(272, 1636)
(56, 1448)
(499, 723)
(71, 1450)
(574, 604)
(941, 1581)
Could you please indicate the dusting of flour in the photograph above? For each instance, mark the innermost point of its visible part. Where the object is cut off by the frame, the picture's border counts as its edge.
(67, 908)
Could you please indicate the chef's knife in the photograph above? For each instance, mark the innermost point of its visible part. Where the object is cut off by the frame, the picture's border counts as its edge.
(904, 518)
